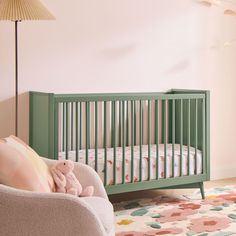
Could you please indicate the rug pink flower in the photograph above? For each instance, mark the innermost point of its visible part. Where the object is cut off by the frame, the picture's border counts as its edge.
(189, 216)
(229, 196)
(164, 231)
(191, 205)
(175, 214)
(209, 224)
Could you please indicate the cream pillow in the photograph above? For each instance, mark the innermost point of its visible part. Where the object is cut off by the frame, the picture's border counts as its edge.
(17, 171)
(37, 163)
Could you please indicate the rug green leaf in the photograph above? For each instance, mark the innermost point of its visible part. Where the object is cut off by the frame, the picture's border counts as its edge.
(139, 212)
(224, 234)
(191, 233)
(217, 209)
(154, 225)
(156, 216)
(232, 216)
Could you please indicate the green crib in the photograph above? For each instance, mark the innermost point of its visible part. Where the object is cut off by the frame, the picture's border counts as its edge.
(135, 141)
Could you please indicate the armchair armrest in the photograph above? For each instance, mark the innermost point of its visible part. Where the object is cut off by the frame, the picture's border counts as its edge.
(30, 213)
(87, 176)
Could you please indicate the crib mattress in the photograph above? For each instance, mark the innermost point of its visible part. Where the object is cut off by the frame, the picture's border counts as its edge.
(153, 169)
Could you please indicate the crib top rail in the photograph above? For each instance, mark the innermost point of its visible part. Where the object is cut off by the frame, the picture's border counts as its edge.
(92, 97)
(123, 97)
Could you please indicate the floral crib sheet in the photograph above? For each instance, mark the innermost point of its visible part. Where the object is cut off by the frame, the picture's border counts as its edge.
(153, 170)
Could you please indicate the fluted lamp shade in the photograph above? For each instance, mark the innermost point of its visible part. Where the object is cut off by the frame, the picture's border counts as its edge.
(19, 10)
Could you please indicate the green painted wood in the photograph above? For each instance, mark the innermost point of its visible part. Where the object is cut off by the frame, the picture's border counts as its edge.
(114, 139)
(132, 141)
(173, 138)
(203, 138)
(105, 141)
(155, 184)
(202, 190)
(123, 142)
(123, 97)
(87, 130)
(67, 131)
(164, 115)
(80, 124)
(200, 123)
(183, 186)
(127, 123)
(135, 124)
(120, 134)
(72, 127)
(96, 136)
(188, 135)
(149, 139)
(196, 134)
(56, 133)
(39, 122)
(63, 126)
(76, 132)
(141, 139)
(157, 137)
(181, 137)
(207, 93)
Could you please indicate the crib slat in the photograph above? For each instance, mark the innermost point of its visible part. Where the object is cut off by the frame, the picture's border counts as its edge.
(105, 142)
(157, 137)
(87, 130)
(149, 139)
(188, 135)
(67, 135)
(173, 138)
(132, 141)
(181, 137)
(114, 139)
(196, 134)
(135, 123)
(120, 124)
(164, 137)
(203, 135)
(127, 123)
(56, 133)
(72, 127)
(141, 138)
(96, 136)
(63, 125)
(123, 142)
(76, 134)
(80, 125)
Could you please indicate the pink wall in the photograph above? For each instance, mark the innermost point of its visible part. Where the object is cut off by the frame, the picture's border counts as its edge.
(124, 46)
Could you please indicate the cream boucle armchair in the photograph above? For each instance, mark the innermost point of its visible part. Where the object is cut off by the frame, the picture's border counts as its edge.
(24, 213)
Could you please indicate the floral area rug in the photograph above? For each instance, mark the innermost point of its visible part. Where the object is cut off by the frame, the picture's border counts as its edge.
(216, 215)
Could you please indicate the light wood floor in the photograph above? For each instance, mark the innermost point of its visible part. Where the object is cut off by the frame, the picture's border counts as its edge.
(176, 192)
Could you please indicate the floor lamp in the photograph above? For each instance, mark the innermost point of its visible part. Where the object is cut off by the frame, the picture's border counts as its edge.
(17, 11)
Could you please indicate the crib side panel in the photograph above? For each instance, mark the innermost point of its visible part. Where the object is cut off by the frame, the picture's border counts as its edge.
(199, 124)
(41, 121)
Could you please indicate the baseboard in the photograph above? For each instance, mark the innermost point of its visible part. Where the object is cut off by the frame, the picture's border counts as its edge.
(223, 173)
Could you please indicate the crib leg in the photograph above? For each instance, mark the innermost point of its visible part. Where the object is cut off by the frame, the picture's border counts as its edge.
(202, 190)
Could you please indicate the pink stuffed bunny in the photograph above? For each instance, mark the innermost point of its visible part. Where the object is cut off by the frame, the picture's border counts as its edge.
(65, 180)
